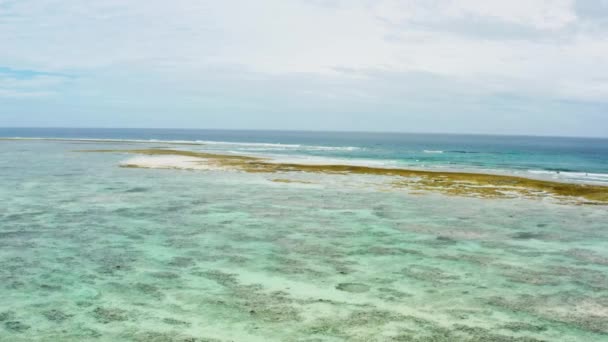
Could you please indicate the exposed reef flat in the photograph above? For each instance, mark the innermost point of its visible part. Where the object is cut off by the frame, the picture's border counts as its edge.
(167, 162)
(451, 183)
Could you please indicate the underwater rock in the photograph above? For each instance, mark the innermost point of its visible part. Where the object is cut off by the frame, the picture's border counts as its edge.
(275, 306)
(16, 326)
(481, 260)
(56, 315)
(445, 239)
(374, 317)
(586, 255)
(89, 333)
(523, 326)
(392, 294)
(110, 264)
(222, 278)
(137, 189)
(149, 289)
(294, 267)
(182, 243)
(588, 319)
(528, 276)
(527, 235)
(474, 334)
(154, 336)
(272, 307)
(173, 321)
(7, 315)
(84, 303)
(48, 287)
(383, 250)
(353, 287)
(181, 262)
(108, 315)
(14, 285)
(353, 326)
(532, 279)
(428, 273)
(164, 275)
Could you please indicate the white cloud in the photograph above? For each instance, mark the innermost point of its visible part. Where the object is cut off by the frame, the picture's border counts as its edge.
(34, 86)
(523, 47)
(540, 14)
(21, 94)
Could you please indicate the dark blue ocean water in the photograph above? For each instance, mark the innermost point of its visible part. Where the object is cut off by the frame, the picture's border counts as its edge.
(578, 158)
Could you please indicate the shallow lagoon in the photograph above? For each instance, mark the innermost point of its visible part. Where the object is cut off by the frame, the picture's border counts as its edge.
(91, 251)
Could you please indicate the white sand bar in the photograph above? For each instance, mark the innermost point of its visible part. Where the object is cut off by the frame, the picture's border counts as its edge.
(171, 162)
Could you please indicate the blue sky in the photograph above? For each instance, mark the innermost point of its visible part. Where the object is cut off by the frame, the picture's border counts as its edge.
(468, 66)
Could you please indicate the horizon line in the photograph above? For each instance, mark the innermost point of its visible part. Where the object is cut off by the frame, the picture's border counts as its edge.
(309, 131)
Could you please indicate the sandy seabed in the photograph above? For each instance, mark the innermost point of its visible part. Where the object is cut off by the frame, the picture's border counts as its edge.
(95, 252)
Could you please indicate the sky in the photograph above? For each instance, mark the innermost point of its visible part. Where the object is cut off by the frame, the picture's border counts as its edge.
(536, 67)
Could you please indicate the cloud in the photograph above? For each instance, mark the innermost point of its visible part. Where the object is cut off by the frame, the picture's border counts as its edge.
(464, 53)
(536, 14)
(15, 83)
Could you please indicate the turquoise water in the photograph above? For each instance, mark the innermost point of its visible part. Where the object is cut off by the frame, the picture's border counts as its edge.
(567, 159)
(92, 251)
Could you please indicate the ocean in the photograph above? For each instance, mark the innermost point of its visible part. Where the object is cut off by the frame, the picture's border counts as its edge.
(91, 251)
(570, 159)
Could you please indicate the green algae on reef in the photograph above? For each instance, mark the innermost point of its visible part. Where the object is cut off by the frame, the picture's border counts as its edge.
(451, 183)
